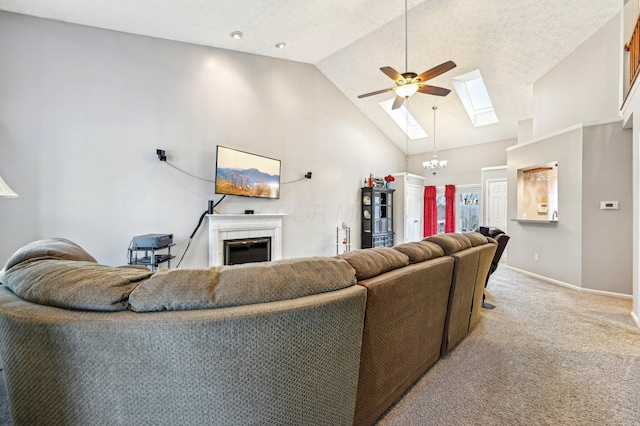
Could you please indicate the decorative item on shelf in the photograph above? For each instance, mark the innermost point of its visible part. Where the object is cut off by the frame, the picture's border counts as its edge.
(538, 174)
(378, 182)
(388, 179)
(343, 239)
(370, 180)
(435, 165)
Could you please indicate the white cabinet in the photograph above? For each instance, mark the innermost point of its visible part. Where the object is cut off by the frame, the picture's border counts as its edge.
(408, 207)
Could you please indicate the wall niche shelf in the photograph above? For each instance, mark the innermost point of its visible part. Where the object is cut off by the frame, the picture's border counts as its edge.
(541, 221)
(537, 194)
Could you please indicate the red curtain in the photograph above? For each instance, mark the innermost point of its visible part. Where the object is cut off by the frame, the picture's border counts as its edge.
(430, 211)
(450, 215)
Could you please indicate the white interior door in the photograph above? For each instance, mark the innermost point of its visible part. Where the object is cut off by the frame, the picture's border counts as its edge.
(497, 204)
(414, 215)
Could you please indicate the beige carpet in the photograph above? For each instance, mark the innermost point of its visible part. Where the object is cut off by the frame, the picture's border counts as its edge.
(546, 355)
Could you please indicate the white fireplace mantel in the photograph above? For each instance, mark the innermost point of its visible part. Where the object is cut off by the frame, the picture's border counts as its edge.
(233, 226)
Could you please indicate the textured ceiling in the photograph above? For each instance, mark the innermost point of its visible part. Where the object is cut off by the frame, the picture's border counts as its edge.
(512, 43)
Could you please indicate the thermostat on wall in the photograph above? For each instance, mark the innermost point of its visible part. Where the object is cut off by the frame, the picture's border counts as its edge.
(608, 205)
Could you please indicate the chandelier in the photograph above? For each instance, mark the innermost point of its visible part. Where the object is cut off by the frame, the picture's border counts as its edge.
(434, 165)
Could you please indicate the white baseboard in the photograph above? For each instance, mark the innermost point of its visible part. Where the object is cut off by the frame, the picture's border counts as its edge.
(571, 286)
(634, 317)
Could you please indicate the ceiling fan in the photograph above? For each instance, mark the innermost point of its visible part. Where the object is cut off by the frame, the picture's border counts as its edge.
(409, 83)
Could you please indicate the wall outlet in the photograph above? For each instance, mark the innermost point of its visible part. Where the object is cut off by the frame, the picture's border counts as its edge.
(536, 256)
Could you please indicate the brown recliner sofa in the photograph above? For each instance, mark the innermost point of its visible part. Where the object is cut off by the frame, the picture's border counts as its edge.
(407, 298)
(420, 301)
(472, 253)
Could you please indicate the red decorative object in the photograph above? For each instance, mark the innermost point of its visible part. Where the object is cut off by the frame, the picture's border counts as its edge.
(450, 216)
(389, 178)
(430, 211)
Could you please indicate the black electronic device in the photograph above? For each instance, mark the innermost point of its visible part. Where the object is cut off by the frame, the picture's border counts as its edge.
(248, 212)
(150, 241)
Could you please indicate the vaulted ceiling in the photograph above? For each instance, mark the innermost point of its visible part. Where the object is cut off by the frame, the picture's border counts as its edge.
(512, 43)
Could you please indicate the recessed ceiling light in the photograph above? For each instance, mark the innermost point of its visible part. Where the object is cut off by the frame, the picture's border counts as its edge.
(236, 35)
(281, 45)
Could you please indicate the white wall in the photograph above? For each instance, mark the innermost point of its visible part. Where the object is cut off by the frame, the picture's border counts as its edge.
(587, 248)
(525, 130)
(83, 110)
(606, 234)
(584, 87)
(464, 164)
(559, 245)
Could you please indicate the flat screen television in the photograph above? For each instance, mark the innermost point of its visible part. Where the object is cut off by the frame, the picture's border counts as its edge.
(245, 174)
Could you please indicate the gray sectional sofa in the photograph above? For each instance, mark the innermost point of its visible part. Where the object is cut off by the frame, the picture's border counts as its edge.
(87, 344)
(301, 341)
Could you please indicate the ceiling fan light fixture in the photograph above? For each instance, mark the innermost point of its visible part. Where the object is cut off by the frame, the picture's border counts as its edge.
(406, 90)
(236, 35)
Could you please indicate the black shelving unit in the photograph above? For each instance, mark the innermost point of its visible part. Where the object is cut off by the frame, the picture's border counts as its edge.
(377, 217)
(149, 258)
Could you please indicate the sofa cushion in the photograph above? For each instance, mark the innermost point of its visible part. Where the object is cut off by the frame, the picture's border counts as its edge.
(475, 238)
(52, 248)
(223, 286)
(451, 242)
(420, 251)
(73, 284)
(372, 262)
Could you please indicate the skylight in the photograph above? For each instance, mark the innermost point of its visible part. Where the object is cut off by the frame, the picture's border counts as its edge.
(403, 118)
(475, 98)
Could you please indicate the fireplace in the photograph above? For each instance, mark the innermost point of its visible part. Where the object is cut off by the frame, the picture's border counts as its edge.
(247, 250)
(243, 226)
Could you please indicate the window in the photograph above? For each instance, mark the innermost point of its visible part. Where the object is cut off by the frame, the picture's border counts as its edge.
(403, 118)
(474, 96)
(441, 202)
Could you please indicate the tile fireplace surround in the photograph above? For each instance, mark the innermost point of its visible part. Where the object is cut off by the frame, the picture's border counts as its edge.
(233, 226)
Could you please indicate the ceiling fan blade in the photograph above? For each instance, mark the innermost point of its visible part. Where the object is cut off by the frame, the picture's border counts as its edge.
(392, 74)
(376, 93)
(435, 71)
(398, 102)
(433, 90)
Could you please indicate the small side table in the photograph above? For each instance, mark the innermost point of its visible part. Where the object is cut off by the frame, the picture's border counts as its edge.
(150, 258)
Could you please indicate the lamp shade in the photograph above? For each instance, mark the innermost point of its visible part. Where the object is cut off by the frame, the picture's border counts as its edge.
(5, 191)
(406, 90)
